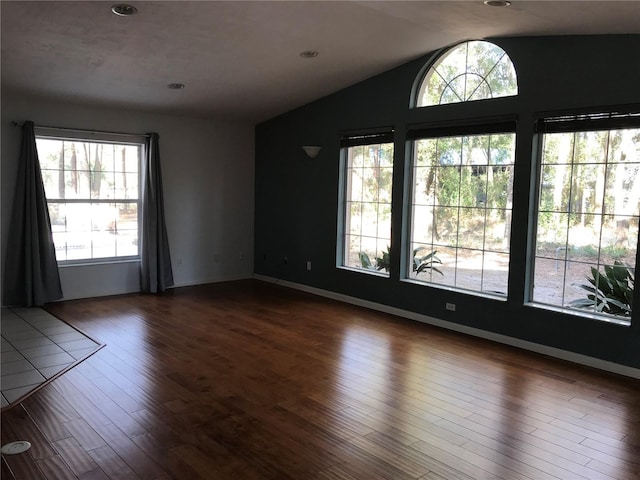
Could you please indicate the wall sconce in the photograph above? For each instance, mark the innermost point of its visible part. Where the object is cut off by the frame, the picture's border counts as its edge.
(311, 151)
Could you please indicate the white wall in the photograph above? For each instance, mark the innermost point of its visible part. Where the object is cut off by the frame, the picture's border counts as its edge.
(208, 175)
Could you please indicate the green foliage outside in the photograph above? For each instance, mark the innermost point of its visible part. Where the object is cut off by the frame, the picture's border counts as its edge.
(425, 262)
(381, 263)
(588, 213)
(471, 71)
(462, 191)
(610, 292)
(421, 261)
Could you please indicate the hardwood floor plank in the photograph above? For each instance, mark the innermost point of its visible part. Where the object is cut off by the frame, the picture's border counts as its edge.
(159, 425)
(414, 426)
(468, 462)
(111, 464)
(18, 425)
(24, 466)
(246, 380)
(75, 456)
(5, 471)
(157, 448)
(128, 451)
(337, 422)
(55, 467)
(432, 476)
(78, 382)
(335, 472)
(46, 416)
(622, 451)
(96, 474)
(495, 439)
(589, 431)
(117, 394)
(88, 412)
(84, 434)
(614, 457)
(201, 465)
(121, 419)
(245, 426)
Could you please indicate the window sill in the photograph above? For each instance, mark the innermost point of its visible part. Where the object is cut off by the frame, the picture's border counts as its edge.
(618, 321)
(365, 271)
(94, 262)
(487, 295)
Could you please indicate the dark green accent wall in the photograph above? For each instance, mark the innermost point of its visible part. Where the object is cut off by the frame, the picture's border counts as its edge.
(297, 197)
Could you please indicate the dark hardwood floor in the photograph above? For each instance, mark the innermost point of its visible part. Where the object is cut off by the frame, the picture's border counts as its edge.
(246, 380)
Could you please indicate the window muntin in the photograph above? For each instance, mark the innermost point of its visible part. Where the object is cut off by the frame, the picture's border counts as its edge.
(473, 70)
(92, 191)
(587, 212)
(368, 175)
(461, 211)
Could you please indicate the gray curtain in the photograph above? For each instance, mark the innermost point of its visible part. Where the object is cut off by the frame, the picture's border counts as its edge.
(156, 271)
(31, 276)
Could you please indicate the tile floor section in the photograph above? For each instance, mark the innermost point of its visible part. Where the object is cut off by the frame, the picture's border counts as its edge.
(36, 346)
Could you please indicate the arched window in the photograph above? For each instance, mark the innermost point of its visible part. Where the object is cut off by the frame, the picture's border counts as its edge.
(461, 200)
(475, 70)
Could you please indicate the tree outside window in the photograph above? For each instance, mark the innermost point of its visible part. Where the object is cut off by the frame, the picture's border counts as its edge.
(461, 210)
(92, 191)
(587, 219)
(368, 175)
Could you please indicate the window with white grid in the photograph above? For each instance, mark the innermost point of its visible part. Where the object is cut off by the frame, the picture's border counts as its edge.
(367, 176)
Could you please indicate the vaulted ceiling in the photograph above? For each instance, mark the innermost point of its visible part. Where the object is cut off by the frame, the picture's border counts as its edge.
(241, 59)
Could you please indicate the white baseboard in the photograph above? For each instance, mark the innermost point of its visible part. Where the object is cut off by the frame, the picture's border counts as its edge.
(476, 332)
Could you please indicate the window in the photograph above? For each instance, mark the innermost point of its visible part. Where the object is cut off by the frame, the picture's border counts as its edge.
(461, 209)
(366, 207)
(92, 190)
(460, 202)
(474, 70)
(587, 213)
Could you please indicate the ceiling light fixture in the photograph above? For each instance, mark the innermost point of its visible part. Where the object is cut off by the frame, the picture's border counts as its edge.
(176, 86)
(497, 3)
(309, 54)
(124, 9)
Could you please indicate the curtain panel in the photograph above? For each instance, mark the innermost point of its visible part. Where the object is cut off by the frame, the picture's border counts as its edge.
(156, 272)
(31, 276)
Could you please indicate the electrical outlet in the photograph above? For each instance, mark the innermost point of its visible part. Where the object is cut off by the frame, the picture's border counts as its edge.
(308, 264)
(450, 306)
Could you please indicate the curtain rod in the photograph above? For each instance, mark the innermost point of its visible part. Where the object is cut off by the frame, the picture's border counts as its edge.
(83, 130)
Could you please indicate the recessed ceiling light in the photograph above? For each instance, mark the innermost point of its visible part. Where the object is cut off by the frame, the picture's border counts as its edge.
(176, 86)
(124, 9)
(497, 3)
(309, 54)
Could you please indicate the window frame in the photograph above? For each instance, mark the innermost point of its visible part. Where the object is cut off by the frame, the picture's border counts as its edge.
(379, 136)
(573, 121)
(105, 138)
(464, 128)
(435, 61)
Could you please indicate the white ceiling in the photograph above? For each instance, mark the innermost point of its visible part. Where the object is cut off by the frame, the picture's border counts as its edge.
(240, 59)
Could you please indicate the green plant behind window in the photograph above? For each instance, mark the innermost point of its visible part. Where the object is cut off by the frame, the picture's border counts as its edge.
(420, 262)
(365, 261)
(610, 292)
(425, 262)
(384, 262)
